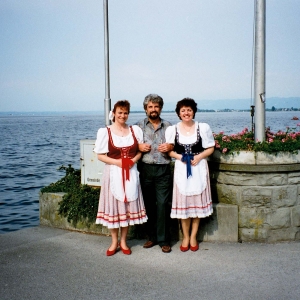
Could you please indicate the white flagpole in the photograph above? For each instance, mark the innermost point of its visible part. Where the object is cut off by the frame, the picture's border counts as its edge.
(107, 100)
(259, 70)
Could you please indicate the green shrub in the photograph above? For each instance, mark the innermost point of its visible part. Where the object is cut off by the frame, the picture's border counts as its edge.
(80, 203)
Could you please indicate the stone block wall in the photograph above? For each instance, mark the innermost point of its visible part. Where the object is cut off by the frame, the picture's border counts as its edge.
(49, 205)
(267, 196)
(222, 226)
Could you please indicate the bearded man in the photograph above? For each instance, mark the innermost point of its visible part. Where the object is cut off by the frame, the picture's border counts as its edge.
(155, 173)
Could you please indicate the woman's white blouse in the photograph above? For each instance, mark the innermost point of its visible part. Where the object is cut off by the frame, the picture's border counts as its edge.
(101, 145)
(116, 183)
(195, 184)
(205, 133)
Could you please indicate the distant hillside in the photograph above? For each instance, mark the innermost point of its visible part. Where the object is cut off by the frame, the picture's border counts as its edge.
(239, 104)
(231, 104)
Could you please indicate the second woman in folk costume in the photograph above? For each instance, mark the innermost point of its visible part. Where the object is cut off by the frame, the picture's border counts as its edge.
(121, 202)
(193, 143)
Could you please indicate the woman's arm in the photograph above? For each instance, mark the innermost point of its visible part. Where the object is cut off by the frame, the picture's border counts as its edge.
(117, 162)
(110, 161)
(175, 155)
(207, 152)
(137, 157)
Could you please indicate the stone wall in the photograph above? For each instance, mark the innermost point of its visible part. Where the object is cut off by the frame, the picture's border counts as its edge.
(49, 205)
(266, 190)
(222, 226)
(256, 198)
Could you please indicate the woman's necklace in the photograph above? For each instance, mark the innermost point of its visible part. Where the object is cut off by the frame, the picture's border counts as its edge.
(187, 129)
(121, 130)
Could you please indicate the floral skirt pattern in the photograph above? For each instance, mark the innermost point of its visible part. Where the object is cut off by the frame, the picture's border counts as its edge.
(113, 213)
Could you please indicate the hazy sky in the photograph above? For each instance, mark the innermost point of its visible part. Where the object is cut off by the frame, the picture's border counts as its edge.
(52, 51)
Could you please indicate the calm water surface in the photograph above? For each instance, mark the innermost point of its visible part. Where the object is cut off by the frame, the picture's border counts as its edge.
(32, 148)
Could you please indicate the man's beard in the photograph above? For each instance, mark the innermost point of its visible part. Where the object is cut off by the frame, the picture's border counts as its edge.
(153, 115)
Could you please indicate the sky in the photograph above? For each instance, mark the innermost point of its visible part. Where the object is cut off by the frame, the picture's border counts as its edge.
(52, 51)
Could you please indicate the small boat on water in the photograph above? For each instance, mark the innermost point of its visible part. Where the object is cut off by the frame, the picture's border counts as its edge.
(295, 118)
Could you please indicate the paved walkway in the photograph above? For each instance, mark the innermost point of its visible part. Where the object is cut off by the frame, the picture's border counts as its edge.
(47, 263)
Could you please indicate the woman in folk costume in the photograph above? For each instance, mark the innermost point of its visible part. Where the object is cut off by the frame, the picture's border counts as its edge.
(121, 203)
(193, 143)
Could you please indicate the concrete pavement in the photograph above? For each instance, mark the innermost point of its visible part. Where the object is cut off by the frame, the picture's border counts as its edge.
(48, 263)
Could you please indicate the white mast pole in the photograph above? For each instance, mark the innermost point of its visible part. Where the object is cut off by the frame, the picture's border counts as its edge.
(107, 100)
(259, 70)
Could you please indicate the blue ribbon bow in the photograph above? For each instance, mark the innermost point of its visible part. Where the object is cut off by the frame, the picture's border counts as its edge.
(187, 157)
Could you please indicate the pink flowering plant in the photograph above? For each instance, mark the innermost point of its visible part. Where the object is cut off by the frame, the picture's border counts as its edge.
(288, 141)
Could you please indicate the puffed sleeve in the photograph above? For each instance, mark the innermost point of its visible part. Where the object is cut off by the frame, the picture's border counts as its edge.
(138, 132)
(101, 144)
(170, 134)
(206, 135)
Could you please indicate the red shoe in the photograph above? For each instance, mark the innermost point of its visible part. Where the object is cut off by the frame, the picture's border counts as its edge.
(184, 249)
(195, 248)
(110, 252)
(126, 251)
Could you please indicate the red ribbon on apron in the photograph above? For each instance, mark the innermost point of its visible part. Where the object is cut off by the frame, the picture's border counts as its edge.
(126, 164)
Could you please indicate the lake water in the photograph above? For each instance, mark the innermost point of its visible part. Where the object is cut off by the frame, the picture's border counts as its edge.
(33, 147)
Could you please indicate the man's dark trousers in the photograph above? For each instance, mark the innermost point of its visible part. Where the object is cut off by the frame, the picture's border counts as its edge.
(156, 184)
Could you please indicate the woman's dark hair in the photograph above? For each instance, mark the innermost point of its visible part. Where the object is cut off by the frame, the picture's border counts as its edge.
(121, 103)
(187, 102)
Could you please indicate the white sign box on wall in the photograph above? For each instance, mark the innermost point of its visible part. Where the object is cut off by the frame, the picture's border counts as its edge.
(91, 167)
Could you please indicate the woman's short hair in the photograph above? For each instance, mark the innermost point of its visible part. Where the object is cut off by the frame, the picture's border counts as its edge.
(153, 98)
(123, 104)
(187, 102)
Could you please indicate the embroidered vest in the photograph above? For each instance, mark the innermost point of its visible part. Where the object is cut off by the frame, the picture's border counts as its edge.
(194, 148)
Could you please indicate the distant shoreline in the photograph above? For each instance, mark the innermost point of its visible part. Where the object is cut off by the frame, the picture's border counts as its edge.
(50, 113)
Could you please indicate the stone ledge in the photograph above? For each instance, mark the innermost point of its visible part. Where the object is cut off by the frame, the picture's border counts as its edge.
(222, 226)
(49, 216)
(254, 168)
(256, 158)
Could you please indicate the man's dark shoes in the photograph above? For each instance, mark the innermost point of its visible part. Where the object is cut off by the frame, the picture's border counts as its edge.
(166, 249)
(149, 244)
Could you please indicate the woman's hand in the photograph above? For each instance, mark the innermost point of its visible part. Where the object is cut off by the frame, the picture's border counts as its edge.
(165, 147)
(133, 163)
(144, 147)
(196, 160)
